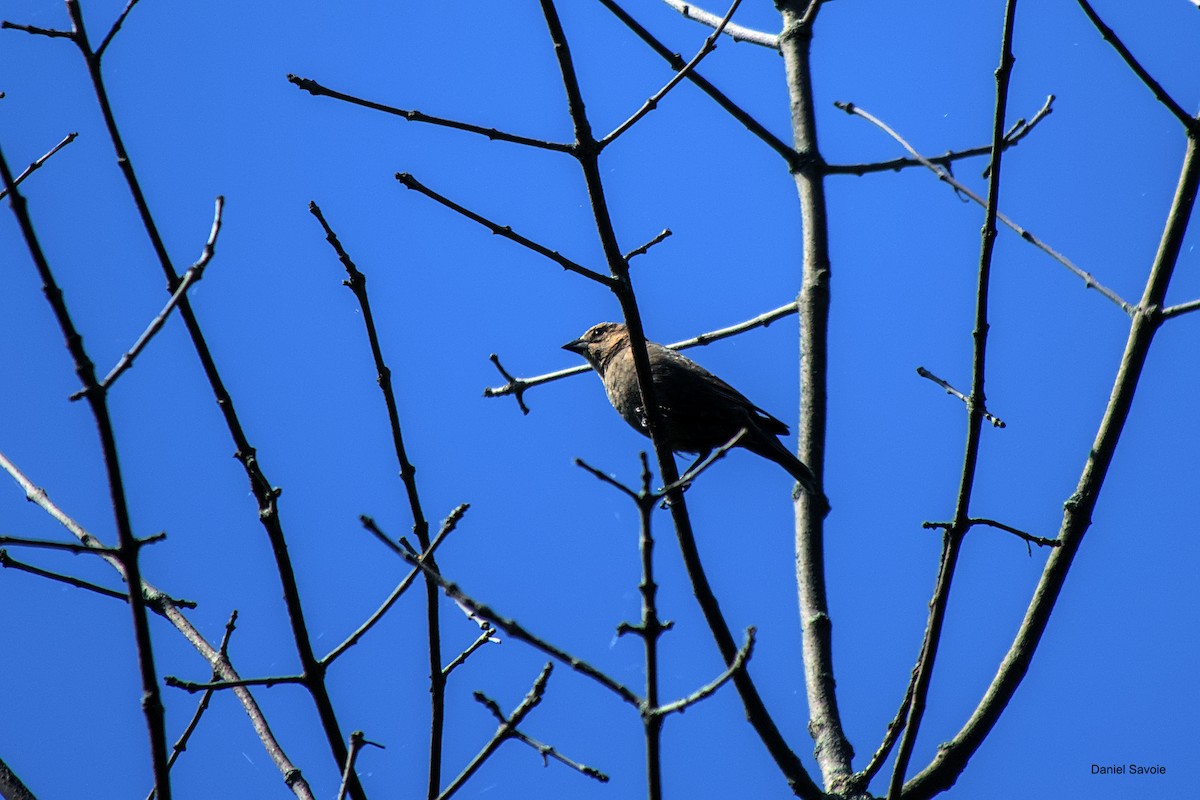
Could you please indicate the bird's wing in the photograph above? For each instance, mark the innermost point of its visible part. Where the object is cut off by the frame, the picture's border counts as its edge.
(681, 382)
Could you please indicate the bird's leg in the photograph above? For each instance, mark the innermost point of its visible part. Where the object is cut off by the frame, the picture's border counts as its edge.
(686, 482)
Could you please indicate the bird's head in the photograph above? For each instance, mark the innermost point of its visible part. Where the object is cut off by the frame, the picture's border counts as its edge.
(599, 343)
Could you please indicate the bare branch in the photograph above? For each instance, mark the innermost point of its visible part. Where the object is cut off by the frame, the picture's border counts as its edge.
(191, 277)
(676, 63)
(641, 250)
(517, 631)
(36, 31)
(116, 26)
(37, 163)
(409, 182)
(709, 45)
(739, 663)
(486, 634)
(1040, 541)
(1089, 281)
(316, 89)
(1182, 308)
(8, 562)
(739, 33)
(507, 726)
(952, 540)
(1019, 131)
(606, 478)
(1190, 123)
(191, 687)
(357, 742)
(924, 373)
(447, 527)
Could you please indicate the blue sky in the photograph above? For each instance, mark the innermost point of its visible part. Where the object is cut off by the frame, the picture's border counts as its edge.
(201, 93)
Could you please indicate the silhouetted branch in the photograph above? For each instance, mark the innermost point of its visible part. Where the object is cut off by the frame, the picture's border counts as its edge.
(357, 283)
(447, 528)
(191, 277)
(191, 687)
(676, 63)
(739, 663)
(316, 89)
(116, 26)
(357, 742)
(128, 547)
(507, 726)
(8, 562)
(37, 163)
(409, 182)
(1040, 541)
(517, 631)
(1190, 123)
(709, 45)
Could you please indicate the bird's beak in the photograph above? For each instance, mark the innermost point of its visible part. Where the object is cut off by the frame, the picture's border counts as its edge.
(576, 346)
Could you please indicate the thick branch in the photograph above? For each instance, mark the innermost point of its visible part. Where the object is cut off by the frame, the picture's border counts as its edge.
(952, 756)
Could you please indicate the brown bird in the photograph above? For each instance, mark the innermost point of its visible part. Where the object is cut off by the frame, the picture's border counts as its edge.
(701, 411)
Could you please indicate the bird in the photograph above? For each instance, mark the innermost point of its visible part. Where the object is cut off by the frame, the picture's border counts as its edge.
(701, 412)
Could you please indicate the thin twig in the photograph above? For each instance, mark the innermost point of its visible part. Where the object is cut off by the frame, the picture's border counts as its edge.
(864, 776)
(507, 725)
(486, 635)
(709, 45)
(924, 373)
(191, 687)
(37, 163)
(181, 743)
(52, 33)
(517, 631)
(694, 471)
(739, 33)
(1182, 308)
(739, 663)
(316, 89)
(409, 182)
(191, 277)
(447, 527)
(782, 148)
(8, 562)
(641, 250)
(70, 547)
(116, 26)
(1019, 131)
(1089, 281)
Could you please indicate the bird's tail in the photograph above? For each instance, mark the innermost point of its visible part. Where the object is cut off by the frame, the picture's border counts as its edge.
(776, 451)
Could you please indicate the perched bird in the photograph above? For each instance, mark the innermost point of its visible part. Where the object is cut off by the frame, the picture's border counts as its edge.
(701, 411)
